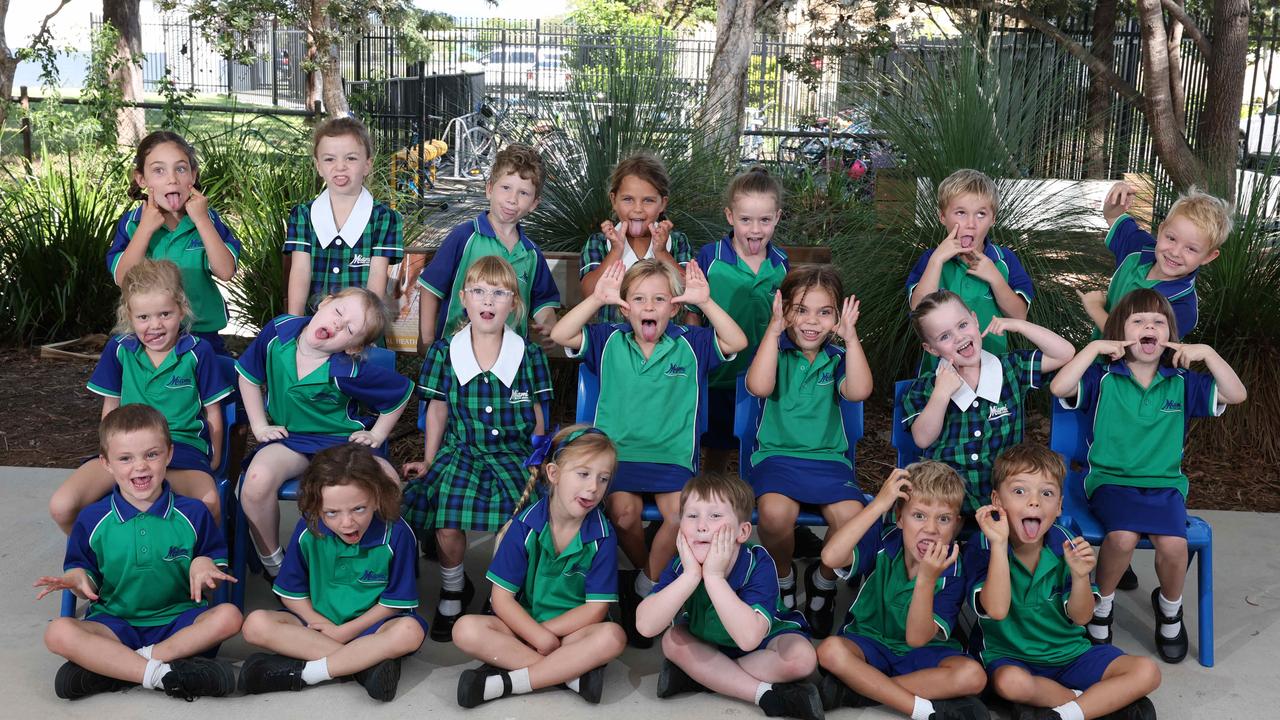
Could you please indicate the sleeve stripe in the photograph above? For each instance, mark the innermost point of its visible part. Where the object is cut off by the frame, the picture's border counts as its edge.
(422, 282)
(502, 583)
(218, 396)
(247, 375)
(103, 391)
(398, 604)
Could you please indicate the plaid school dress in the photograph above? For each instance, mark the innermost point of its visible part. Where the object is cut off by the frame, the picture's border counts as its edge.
(478, 473)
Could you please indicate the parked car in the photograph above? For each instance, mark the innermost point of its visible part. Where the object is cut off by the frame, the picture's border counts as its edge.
(1260, 134)
(551, 76)
(510, 67)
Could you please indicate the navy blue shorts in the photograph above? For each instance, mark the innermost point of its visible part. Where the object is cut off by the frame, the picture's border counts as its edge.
(645, 477)
(422, 622)
(138, 636)
(186, 457)
(721, 405)
(1079, 674)
(814, 482)
(309, 444)
(882, 658)
(1148, 511)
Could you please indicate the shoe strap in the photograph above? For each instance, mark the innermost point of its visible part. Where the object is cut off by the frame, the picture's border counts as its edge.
(506, 682)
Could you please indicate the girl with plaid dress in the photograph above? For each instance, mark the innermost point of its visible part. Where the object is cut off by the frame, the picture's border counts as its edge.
(484, 387)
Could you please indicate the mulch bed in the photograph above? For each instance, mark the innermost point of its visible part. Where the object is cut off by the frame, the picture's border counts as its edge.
(51, 421)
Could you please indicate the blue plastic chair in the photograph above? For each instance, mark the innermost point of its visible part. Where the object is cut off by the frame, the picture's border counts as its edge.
(902, 441)
(1067, 439)
(241, 543)
(230, 416)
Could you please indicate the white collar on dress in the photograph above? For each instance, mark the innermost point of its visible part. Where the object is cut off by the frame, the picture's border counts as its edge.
(629, 256)
(463, 356)
(990, 382)
(327, 230)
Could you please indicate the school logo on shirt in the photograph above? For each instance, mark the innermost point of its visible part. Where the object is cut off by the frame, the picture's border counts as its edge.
(519, 396)
(373, 578)
(327, 396)
(676, 370)
(177, 382)
(998, 411)
(359, 260)
(177, 552)
(195, 244)
(1171, 406)
(826, 377)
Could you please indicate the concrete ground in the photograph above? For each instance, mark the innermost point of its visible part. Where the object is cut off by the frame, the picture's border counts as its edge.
(1243, 684)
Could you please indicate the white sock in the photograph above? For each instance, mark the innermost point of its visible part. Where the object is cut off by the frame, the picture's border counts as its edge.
(146, 651)
(493, 687)
(1077, 692)
(520, 681)
(316, 671)
(788, 583)
(271, 563)
(643, 585)
(761, 689)
(1169, 608)
(822, 584)
(153, 676)
(1102, 609)
(1069, 711)
(573, 684)
(922, 710)
(453, 579)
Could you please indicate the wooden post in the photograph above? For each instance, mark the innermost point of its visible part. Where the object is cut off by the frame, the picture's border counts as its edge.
(1142, 209)
(25, 101)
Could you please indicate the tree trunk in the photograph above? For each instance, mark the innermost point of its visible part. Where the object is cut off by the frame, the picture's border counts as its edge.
(335, 96)
(1100, 95)
(8, 65)
(1171, 145)
(726, 97)
(1176, 87)
(318, 24)
(124, 16)
(1218, 132)
(325, 83)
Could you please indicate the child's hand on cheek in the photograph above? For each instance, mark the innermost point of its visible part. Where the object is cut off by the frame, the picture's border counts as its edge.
(721, 554)
(152, 216)
(660, 232)
(688, 562)
(996, 530)
(197, 204)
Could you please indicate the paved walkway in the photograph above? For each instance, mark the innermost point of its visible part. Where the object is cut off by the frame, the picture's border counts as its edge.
(1243, 684)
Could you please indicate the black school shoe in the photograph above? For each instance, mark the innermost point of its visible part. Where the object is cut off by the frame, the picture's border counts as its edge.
(628, 601)
(471, 684)
(381, 680)
(793, 699)
(195, 677)
(1104, 621)
(821, 619)
(674, 681)
(591, 684)
(788, 595)
(1174, 649)
(1140, 709)
(961, 708)
(441, 624)
(266, 672)
(74, 682)
(1129, 580)
(835, 694)
(808, 545)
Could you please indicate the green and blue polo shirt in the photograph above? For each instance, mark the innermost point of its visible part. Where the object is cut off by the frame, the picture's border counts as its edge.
(343, 581)
(341, 256)
(547, 582)
(183, 246)
(140, 560)
(1135, 254)
(743, 293)
(188, 380)
(1037, 629)
(1136, 434)
(802, 417)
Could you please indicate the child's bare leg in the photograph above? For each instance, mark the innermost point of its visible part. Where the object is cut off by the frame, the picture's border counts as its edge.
(1171, 564)
(451, 544)
(284, 634)
(956, 676)
(845, 660)
(271, 466)
(88, 484)
(664, 541)
(777, 528)
(198, 485)
(786, 658)
(837, 514)
(710, 667)
(489, 640)
(1125, 680)
(396, 638)
(94, 647)
(624, 510)
(1017, 685)
(1113, 558)
(213, 626)
(579, 651)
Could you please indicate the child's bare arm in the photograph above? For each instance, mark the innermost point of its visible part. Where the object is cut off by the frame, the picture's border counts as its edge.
(1011, 304)
(927, 426)
(1081, 560)
(381, 429)
(762, 376)
(614, 255)
(351, 629)
(299, 282)
(135, 252)
(255, 410)
(744, 623)
(857, 383)
(920, 625)
(1057, 350)
(571, 621)
(932, 276)
(1117, 202)
(1231, 389)
(568, 331)
(655, 612)
(522, 623)
(995, 592)
(303, 608)
(437, 417)
(428, 306)
(1067, 382)
(205, 575)
(109, 404)
(838, 550)
(222, 263)
(377, 283)
(1095, 306)
(213, 418)
(76, 580)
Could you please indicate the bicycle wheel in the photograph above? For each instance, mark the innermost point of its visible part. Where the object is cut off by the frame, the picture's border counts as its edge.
(477, 153)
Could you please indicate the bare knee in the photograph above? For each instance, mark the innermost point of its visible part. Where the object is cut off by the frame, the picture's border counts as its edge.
(1123, 540)
(832, 652)
(798, 660)
(257, 626)
(259, 487)
(612, 639)
(1012, 683)
(675, 645)
(406, 636)
(625, 515)
(226, 619)
(970, 678)
(61, 635)
(1144, 674)
(777, 516)
(63, 508)
(468, 632)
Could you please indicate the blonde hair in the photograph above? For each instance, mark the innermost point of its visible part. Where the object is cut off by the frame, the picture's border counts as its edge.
(588, 443)
(377, 316)
(1210, 215)
(936, 482)
(1028, 457)
(150, 276)
(967, 182)
(721, 486)
(647, 268)
(492, 270)
(755, 180)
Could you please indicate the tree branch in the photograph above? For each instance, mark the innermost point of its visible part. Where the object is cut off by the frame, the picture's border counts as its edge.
(1179, 14)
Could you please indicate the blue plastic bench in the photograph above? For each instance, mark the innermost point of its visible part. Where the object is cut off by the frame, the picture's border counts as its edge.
(902, 441)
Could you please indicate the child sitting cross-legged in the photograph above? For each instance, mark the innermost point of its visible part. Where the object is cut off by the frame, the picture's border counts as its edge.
(1030, 587)
(897, 648)
(731, 633)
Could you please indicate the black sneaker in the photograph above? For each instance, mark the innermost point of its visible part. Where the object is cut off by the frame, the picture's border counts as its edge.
(74, 682)
(1129, 580)
(961, 708)
(628, 601)
(265, 672)
(835, 694)
(1140, 709)
(1103, 621)
(820, 619)
(381, 680)
(673, 681)
(471, 684)
(1018, 711)
(441, 624)
(808, 545)
(191, 678)
(591, 684)
(793, 699)
(1174, 649)
(788, 594)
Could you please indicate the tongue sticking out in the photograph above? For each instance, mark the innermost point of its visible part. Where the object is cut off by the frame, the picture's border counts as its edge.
(649, 330)
(966, 242)
(754, 246)
(173, 200)
(635, 228)
(1030, 527)
(1149, 345)
(323, 333)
